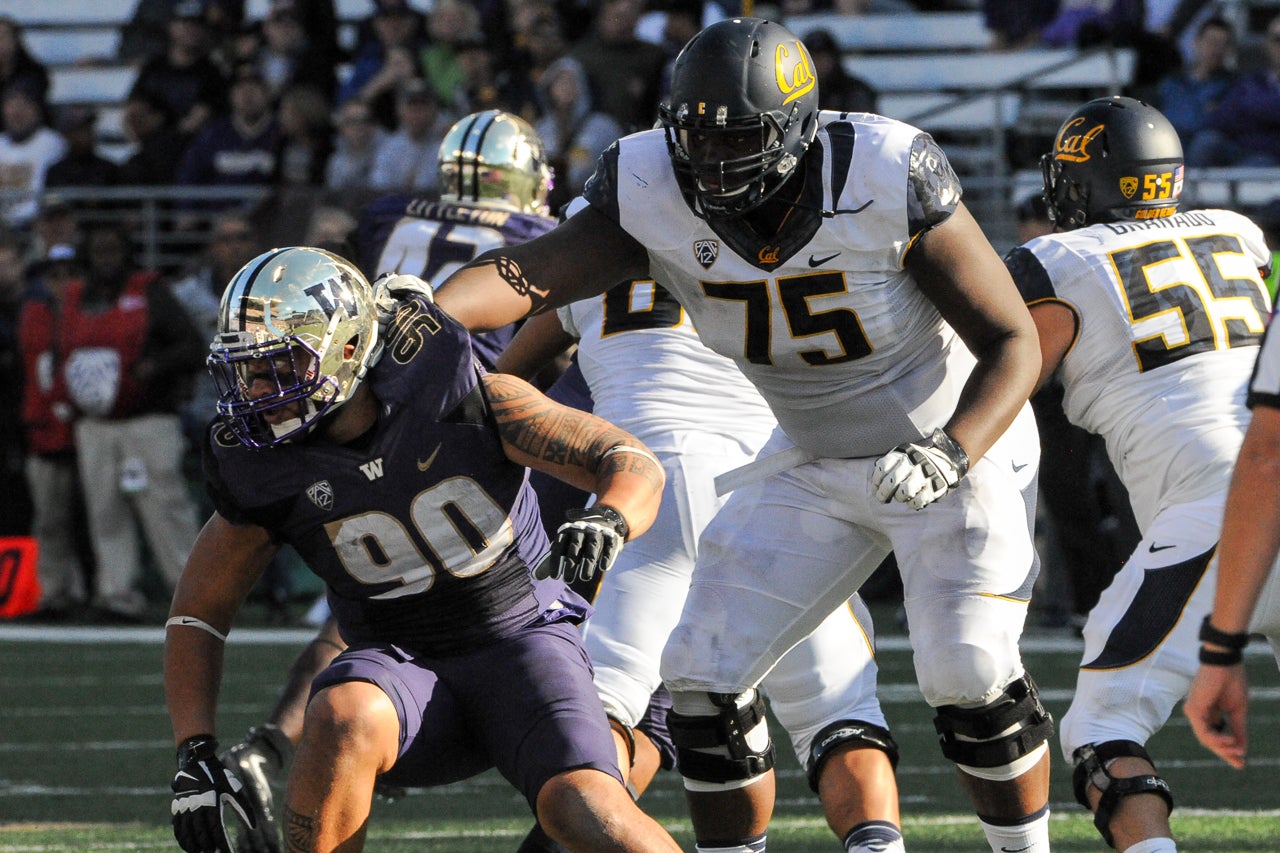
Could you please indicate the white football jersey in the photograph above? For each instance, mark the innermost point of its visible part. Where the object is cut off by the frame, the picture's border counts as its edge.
(650, 375)
(1169, 314)
(821, 318)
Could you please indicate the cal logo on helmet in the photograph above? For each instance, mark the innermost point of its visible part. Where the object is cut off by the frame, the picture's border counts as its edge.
(1073, 141)
(795, 73)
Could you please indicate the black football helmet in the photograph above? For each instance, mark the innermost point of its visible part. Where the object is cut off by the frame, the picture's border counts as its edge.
(742, 112)
(1113, 158)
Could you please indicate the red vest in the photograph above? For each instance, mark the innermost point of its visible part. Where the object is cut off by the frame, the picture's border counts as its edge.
(122, 327)
(44, 395)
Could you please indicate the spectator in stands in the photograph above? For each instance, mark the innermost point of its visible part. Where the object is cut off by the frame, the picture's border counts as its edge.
(1244, 129)
(130, 355)
(369, 31)
(240, 148)
(233, 241)
(1088, 22)
(450, 24)
(357, 141)
(184, 74)
(15, 500)
(484, 86)
(286, 58)
(538, 41)
(840, 90)
(1016, 24)
(57, 224)
(28, 148)
(18, 66)
(406, 160)
(81, 166)
(625, 71)
(573, 131)
(383, 65)
(331, 228)
(1188, 95)
(51, 473)
(158, 146)
(306, 137)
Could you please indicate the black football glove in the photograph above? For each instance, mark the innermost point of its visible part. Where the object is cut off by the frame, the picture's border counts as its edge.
(585, 545)
(259, 761)
(920, 472)
(202, 789)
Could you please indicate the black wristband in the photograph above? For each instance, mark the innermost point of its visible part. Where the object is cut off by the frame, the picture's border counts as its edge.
(601, 512)
(1210, 634)
(198, 747)
(1209, 657)
(948, 445)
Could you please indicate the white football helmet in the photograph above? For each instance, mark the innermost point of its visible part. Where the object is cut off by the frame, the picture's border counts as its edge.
(496, 159)
(279, 359)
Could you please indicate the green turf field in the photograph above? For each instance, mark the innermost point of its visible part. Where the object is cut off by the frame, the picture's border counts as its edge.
(86, 758)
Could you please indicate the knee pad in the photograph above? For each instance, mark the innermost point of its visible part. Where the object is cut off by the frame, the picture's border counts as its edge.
(718, 749)
(996, 735)
(1091, 762)
(861, 735)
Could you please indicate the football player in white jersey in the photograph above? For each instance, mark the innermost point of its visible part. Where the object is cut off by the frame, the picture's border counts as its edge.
(1217, 703)
(1152, 319)
(649, 374)
(830, 256)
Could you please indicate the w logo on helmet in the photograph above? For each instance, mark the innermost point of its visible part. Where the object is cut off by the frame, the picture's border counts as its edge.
(795, 75)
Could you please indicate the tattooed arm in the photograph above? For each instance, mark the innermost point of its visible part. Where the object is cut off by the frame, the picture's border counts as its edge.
(586, 254)
(574, 446)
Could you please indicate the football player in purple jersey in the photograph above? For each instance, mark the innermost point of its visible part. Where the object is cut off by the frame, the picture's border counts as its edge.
(395, 466)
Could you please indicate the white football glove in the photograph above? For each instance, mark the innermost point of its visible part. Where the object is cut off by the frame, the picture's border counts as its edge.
(392, 288)
(920, 472)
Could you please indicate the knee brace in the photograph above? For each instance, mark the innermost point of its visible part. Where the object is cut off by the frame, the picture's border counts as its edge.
(999, 733)
(1091, 762)
(717, 749)
(861, 735)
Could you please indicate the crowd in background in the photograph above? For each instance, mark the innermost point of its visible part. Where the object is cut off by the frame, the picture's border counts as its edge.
(111, 463)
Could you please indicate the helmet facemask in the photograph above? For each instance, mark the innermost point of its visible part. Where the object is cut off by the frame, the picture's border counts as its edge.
(732, 167)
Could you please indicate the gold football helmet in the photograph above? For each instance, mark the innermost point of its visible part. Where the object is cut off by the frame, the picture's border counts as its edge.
(297, 332)
(496, 159)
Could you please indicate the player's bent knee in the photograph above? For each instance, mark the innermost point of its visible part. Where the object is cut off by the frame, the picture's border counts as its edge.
(354, 717)
(722, 739)
(1093, 762)
(571, 806)
(854, 734)
(1000, 740)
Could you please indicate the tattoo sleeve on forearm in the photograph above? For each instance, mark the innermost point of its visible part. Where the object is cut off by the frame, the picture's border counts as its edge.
(510, 272)
(299, 832)
(545, 430)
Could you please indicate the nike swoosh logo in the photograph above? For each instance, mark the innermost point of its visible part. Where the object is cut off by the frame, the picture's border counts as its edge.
(1016, 469)
(815, 261)
(1011, 850)
(423, 466)
(1153, 547)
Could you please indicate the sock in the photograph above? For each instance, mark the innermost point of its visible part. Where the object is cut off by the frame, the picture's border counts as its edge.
(1153, 845)
(1028, 835)
(747, 845)
(874, 836)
